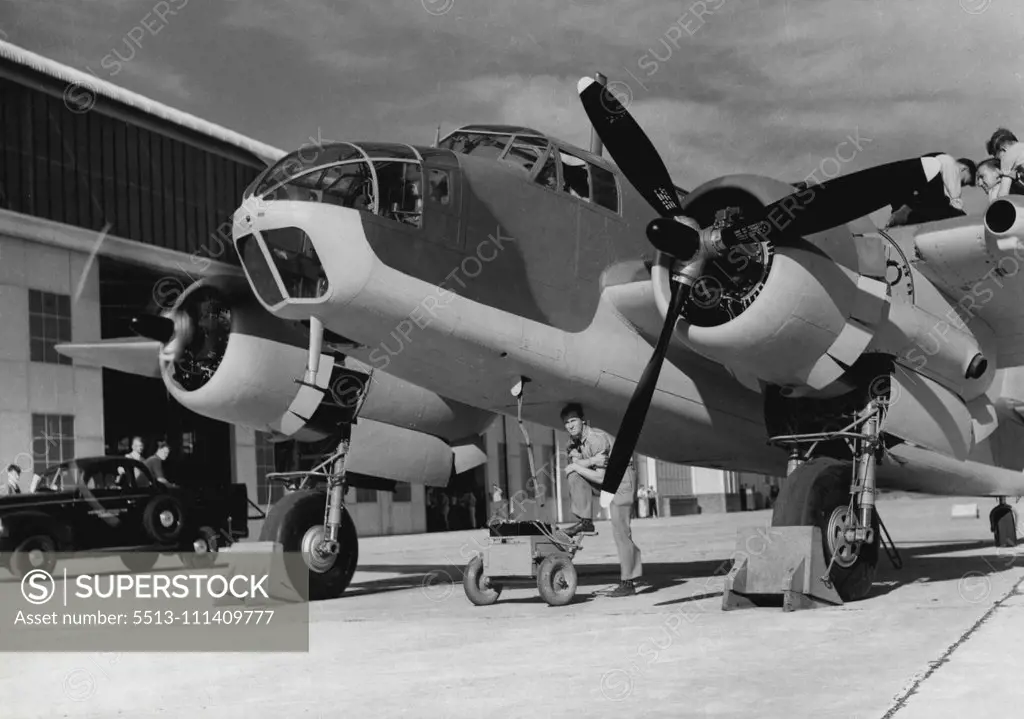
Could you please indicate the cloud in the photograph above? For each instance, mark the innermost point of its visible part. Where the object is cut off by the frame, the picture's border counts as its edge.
(721, 86)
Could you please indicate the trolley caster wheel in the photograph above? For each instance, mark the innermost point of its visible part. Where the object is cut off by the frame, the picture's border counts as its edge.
(557, 580)
(478, 588)
(1003, 525)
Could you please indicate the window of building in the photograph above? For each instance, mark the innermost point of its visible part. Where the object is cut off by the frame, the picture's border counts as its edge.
(53, 439)
(365, 495)
(403, 492)
(266, 490)
(49, 323)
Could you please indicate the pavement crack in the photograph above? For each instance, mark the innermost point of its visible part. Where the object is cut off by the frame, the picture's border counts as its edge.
(934, 666)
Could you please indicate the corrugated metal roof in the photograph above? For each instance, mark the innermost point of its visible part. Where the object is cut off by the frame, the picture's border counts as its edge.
(87, 82)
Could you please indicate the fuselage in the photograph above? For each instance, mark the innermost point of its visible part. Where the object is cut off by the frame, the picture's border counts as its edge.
(510, 255)
(498, 275)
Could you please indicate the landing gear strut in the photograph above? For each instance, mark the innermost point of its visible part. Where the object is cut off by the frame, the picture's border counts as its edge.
(310, 523)
(816, 493)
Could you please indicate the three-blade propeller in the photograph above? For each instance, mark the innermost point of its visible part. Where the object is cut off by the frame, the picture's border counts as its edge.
(805, 212)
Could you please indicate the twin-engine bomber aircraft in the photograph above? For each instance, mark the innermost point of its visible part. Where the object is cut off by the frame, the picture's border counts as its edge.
(790, 335)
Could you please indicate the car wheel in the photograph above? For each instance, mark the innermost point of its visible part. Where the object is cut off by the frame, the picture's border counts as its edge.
(164, 519)
(139, 561)
(205, 547)
(38, 552)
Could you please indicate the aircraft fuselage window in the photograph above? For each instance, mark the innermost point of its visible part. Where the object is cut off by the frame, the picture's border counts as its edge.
(476, 143)
(346, 185)
(439, 185)
(606, 193)
(548, 175)
(575, 178)
(400, 191)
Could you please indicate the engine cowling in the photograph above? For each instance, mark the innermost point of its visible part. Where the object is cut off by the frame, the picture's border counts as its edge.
(796, 316)
(231, 360)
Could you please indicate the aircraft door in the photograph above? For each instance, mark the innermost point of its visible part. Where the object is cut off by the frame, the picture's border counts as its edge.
(442, 206)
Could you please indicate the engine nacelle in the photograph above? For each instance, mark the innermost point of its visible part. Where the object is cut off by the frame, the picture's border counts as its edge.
(1004, 223)
(796, 316)
(233, 361)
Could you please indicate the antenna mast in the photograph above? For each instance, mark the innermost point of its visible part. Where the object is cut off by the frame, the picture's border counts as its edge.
(596, 145)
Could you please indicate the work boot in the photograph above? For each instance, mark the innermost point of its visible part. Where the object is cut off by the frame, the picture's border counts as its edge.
(584, 526)
(625, 589)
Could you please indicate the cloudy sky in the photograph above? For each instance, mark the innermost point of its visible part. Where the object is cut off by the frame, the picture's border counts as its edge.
(764, 86)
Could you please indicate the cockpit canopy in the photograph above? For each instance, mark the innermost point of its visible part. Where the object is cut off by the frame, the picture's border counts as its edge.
(383, 178)
(550, 163)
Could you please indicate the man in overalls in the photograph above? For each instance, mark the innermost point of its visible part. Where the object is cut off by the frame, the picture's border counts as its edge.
(589, 449)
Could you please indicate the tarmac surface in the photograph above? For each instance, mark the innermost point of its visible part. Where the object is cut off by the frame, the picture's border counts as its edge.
(935, 639)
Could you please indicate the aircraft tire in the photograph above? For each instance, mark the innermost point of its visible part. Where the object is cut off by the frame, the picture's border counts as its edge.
(808, 497)
(1004, 525)
(287, 524)
(477, 591)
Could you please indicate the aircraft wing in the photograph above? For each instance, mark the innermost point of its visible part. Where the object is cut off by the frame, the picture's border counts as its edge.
(963, 259)
(134, 355)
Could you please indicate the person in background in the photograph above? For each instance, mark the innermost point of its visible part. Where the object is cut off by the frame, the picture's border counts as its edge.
(1009, 151)
(155, 464)
(12, 484)
(652, 497)
(941, 198)
(990, 179)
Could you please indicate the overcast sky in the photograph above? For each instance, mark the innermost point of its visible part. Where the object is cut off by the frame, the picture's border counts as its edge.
(765, 86)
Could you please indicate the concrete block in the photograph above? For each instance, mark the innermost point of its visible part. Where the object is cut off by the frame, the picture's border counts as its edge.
(965, 511)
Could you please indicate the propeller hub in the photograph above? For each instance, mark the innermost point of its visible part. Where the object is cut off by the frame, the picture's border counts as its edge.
(153, 327)
(676, 236)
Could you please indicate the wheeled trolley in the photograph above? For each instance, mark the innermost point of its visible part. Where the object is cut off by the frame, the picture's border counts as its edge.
(517, 552)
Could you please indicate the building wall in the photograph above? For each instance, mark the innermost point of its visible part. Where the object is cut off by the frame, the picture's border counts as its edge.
(30, 388)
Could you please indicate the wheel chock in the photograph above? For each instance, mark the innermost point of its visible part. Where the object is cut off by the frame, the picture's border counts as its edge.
(778, 563)
(265, 568)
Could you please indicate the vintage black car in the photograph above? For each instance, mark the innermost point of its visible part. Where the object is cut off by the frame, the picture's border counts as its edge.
(114, 504)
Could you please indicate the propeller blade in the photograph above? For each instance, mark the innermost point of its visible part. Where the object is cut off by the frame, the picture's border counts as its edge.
(834, 202)
(629, 147)
(636, 412)
(153, 327)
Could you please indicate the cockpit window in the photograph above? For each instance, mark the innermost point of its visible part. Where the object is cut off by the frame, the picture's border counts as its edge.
(574, 176)
(390, 184)
(439, 187)
(401, 191)
(580, 179)
(525, 152)
(480, 144)
(303, 160)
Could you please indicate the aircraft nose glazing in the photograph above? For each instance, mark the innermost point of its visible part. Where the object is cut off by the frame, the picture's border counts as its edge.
(298, 254)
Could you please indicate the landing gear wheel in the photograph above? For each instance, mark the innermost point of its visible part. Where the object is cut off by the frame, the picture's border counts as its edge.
(817, 493)
(164, 519)
(204, 554)
(36, 552)
(478, 588)
(556, 579)
(139, 561)
(1003, 525)
(296, 523)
